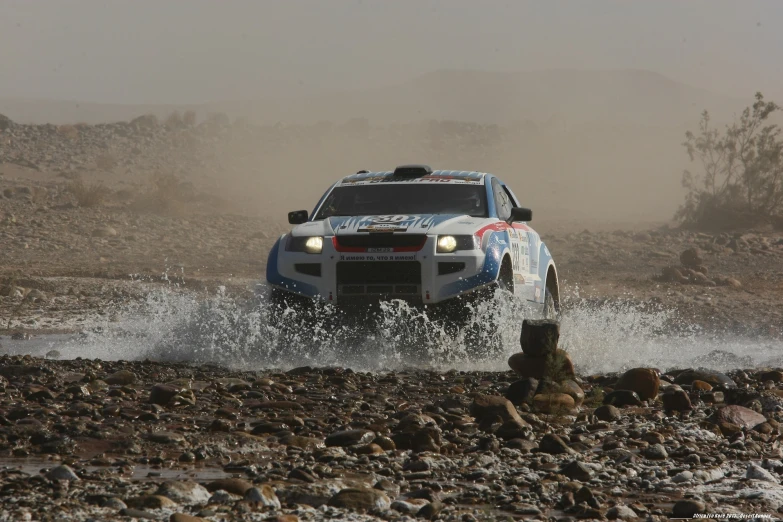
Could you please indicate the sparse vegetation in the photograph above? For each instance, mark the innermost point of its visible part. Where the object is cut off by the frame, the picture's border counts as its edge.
(741, 178)
(165, 197)
(189, 118)
(105, 162)
(88, 195)
(174, 121)
(68, 131)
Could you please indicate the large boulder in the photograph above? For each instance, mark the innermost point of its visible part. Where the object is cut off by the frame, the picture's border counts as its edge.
(490, 406)
(361, 499)
(556, 367)
(644, 381)
(708, 376)
(539, 338)
(522, 391)
(738, 415)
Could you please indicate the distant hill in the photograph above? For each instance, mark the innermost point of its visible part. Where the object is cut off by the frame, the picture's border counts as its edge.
(567, 97)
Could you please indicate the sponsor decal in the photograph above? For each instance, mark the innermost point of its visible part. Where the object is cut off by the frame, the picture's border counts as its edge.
(391, 219)
(398, 257)
(380, 250)
(383, 227)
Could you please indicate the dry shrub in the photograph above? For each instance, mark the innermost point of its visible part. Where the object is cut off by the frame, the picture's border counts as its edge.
(70, 132)
(164, 198)
(88, 196)
(189, 118)
(105, 162)
(174, 121)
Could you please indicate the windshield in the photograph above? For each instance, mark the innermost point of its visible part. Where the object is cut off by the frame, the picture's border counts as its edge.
(374, 200)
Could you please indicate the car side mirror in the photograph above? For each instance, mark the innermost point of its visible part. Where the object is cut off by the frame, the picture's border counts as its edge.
(521, 214)
(297, 217)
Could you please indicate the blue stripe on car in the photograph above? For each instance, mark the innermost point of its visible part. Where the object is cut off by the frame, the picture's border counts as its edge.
(274, 277)
(489, 271)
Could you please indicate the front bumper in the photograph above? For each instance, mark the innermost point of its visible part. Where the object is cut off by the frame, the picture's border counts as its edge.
(419, 277)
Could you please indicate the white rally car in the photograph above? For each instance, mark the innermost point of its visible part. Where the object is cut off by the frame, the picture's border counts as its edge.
(423, 236)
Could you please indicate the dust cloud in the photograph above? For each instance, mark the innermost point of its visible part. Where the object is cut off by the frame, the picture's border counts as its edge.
(582, 110)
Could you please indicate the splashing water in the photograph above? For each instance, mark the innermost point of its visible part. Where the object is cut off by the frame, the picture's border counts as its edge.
(171, 325)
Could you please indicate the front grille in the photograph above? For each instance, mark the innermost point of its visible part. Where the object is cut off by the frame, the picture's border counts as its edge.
(393, 278)
(382, 240)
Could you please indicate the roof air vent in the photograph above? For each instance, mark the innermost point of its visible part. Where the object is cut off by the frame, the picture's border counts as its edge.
(412, 171)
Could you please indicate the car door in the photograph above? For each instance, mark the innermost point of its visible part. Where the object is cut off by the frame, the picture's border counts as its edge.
(524, 244)
(503, 206)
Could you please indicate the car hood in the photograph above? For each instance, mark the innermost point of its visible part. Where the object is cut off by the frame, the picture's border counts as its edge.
(402, 224)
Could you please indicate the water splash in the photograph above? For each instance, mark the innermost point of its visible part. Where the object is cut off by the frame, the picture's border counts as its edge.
(173, 325)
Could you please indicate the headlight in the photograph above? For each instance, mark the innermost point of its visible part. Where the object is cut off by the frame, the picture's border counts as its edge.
(448, 244)
(311, 245)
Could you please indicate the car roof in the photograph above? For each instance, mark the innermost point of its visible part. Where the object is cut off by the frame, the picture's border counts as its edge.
(436, 176)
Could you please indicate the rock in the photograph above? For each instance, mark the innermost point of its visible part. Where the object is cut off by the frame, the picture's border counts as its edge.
(121, 378)
(577, 471)
(623, 398)
(221, 496)
(621, 512)
(775, 376)
(711, 377)
(551, 443)
(573, 389)
(656, 452)
(643, 381)
(691, 258)
(182, 517)
(539, 338)
(701, 386)
(350, 438)
(740, 416)
(756, 472)
(607, 413)
(151, 502)
(557, 367)
(232, 485)
(676, 399)
(688, 508)
(104, 232)
(361, 499)
(522, 391)
(53, 354)
(114, 503)
(138, 513)
(298, 441)
(184, 492)
(490, 406)
(553, 403)
(264, 496)
(166, 437)
(62, 472)
(162, 394)
(430, 511)
(683, 476)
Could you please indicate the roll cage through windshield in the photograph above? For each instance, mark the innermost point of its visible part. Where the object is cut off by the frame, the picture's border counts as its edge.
(405, 198)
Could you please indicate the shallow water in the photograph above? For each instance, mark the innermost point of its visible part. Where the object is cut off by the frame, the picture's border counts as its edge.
(171, 325)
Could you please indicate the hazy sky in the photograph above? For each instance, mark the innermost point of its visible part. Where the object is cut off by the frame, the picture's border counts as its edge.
(185, 51)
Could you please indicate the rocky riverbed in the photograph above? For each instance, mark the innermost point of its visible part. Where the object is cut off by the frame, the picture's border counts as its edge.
(99, 440)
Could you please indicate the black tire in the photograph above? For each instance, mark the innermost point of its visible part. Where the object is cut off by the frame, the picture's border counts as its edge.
(551, 309)
(485, 340)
